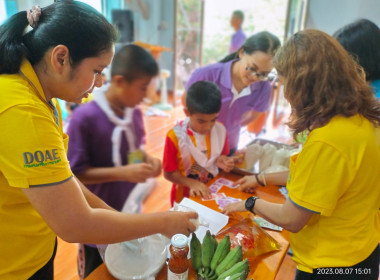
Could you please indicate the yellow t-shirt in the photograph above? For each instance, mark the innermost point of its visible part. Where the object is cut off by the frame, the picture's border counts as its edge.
(32, 154)
(337, 174)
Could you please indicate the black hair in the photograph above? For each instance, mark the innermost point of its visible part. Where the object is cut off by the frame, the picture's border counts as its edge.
(263, 41)
(361, 39)
(239, 14)
(132, 62)
(203, 97)
(78, 26)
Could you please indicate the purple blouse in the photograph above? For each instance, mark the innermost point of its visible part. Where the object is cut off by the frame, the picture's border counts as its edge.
(90, 145)
(231, 116)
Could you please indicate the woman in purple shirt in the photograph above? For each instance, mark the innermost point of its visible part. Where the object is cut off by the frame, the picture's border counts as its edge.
(238, 37)
(242, 79)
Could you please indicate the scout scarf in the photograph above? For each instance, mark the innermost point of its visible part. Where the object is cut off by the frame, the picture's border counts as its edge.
(187, 148)
(121, 125)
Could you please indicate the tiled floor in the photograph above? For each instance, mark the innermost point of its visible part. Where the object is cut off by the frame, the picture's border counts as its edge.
(156, 129)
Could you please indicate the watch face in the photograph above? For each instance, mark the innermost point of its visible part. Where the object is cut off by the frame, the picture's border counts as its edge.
(249, 203)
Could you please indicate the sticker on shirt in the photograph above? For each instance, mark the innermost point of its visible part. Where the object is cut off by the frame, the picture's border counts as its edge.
(135, 157)
(215, 196)
(41, 158)
(223, 202)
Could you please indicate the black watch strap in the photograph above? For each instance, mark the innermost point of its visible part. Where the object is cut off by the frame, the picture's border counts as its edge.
(250, 203)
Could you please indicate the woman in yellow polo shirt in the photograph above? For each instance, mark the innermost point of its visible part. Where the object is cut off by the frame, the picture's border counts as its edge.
(334, 184)
(62, 56)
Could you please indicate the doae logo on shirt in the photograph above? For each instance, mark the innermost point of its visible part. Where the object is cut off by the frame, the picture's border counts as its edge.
(41, 158)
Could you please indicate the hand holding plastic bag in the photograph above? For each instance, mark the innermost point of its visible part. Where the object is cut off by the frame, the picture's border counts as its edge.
(197, 222)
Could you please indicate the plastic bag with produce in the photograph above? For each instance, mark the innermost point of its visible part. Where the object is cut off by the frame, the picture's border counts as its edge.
(253, 239)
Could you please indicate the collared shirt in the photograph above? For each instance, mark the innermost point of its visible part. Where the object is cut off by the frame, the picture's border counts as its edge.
(32, 154)
(237, 40)
(233, 109)
(244, 92)
(90, 133)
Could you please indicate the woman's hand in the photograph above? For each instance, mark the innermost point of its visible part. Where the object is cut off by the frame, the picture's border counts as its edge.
(234, 207)
(247, 184)
(225, 163)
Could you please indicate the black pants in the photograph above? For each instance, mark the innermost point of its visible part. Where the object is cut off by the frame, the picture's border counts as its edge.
(47, 271)
(88, 260)
(365, 270)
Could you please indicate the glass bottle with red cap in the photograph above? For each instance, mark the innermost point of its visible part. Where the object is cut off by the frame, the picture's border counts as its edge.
(178, 266)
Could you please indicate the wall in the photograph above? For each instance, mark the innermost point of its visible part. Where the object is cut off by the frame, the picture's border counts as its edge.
(330, 15)
(166, 38)
(24, 5)
(158, 29)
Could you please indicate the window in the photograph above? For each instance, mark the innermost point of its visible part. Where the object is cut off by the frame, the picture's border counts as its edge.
(97, 4)
(7, 9)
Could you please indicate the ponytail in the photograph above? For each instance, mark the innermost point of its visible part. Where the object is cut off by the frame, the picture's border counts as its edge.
(263, 41)
(12, 49)
(231, 56)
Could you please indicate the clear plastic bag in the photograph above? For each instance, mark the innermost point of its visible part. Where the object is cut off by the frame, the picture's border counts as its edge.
(253, 239)
(267, 156)
(197, 222)
(252, 154)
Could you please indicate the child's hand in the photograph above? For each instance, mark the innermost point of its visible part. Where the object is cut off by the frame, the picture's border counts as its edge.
(225, 163)
(138, 173)
(239, 156)
(156, 165)
(178, 222)
(199, 189)
(234, 207)
(247, 184)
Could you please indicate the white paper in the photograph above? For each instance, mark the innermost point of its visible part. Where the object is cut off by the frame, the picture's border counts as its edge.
(216, 221)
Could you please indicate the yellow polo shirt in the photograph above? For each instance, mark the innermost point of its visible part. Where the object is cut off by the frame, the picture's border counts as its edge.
(337, 175)
(32, 154)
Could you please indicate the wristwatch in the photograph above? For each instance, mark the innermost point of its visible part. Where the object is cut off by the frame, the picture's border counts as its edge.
(250, 203)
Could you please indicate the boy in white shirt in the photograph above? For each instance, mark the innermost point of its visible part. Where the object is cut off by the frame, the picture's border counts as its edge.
(197, 147)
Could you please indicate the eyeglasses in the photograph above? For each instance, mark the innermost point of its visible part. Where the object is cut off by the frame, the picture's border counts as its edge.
(253, 72)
